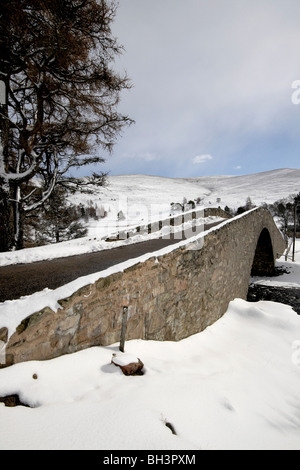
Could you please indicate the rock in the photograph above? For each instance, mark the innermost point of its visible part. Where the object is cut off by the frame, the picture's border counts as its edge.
(171, 427)
(12, 401)
(129, 365)
(4, 334)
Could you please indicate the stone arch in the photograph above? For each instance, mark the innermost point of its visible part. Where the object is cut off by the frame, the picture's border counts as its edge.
(263, 261)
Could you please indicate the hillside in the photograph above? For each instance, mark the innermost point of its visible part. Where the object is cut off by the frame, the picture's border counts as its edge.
(142, 197)
(266, 187)
(232, 190)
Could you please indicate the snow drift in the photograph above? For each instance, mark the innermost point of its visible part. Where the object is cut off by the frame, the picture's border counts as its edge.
(233, 386)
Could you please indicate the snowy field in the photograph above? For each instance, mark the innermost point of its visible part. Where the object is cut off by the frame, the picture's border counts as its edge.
(233, 386)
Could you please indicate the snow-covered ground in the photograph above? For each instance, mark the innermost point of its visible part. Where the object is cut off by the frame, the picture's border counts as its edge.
(233, 386)
(291, 271)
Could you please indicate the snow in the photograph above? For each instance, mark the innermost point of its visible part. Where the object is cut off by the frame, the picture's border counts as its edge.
(123, 359)
(291, 276)
(155, 194)
(233, 386)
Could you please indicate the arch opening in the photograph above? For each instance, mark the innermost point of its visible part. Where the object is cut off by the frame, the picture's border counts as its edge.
(263, 262)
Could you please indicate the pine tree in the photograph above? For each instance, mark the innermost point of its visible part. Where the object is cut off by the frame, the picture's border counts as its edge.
(61, 97)
(56, 221)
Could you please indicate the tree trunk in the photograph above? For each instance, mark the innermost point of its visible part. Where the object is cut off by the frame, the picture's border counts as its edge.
(57, 235)
(6, 231)
(18, 242)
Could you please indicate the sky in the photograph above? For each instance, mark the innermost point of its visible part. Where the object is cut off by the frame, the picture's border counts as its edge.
(212, 87)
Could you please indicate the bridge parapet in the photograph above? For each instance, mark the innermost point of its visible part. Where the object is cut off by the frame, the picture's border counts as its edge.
(169, 297)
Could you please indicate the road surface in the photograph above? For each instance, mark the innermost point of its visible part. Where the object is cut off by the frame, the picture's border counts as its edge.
(25, 279)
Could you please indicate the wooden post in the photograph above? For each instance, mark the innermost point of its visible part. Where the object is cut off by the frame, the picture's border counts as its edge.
(296, 204)
(123, 330)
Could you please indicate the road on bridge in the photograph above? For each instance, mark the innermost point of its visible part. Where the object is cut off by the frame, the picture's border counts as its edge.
(26, 279)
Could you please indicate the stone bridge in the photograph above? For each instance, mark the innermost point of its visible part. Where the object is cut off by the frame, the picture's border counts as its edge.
(168, 296)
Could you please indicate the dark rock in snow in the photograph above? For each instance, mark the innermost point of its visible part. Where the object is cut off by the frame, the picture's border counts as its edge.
(11, 401)
(128, 365)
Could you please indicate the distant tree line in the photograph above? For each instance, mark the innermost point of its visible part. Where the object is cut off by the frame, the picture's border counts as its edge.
(241, 209)
(287, 212)
(283, 210)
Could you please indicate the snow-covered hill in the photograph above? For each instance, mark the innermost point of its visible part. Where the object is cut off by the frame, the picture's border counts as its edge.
(232, 190)
(140, 196)
(266, 187)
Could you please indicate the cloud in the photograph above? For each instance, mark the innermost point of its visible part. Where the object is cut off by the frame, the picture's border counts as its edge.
(215, 75)
(143, 156)
(202, 158)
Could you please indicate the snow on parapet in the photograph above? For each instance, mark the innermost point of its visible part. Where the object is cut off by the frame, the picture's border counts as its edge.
(13, 312)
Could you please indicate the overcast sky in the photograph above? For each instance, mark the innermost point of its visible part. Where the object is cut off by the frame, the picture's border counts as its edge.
(212, 86)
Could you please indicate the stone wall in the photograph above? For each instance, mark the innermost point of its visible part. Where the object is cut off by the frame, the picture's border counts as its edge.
(168, 297)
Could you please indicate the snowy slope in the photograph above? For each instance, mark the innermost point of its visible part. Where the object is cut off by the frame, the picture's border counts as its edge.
(233, 386)
(144, 198)
(266, 187)
(233, 191)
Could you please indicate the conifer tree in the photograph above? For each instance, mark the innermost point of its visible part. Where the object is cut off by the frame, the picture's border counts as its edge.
(59, 110)
(57, 220)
